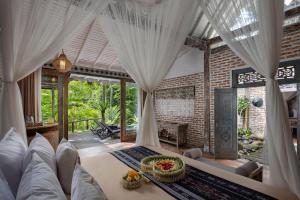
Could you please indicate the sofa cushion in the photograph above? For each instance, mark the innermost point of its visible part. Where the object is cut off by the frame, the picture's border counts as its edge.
(246, 168)
(39, 182)
(193, 153)
(43, 148)
(5, 192)
(12, 151)
(66, 158)
(84, 186)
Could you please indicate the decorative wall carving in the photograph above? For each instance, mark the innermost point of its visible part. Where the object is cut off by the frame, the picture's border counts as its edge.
(187, 92)
(175, 101)
(287, 72)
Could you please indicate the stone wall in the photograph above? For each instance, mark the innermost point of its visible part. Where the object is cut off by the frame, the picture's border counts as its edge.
(195, 132)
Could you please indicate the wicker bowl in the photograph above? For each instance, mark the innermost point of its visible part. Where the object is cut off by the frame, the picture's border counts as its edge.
(173, 173)
(132, 183)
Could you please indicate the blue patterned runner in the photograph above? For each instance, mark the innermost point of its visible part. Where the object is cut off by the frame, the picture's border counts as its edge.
(197, 184)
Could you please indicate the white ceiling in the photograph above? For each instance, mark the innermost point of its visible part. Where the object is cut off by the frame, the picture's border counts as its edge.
(90, 47)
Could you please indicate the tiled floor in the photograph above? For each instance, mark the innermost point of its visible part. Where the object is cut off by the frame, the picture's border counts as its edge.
(90, 145)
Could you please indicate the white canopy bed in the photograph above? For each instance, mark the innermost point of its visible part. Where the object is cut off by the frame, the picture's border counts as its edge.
(147, 36)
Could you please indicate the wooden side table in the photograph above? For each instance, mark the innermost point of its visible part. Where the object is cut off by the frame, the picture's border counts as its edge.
(49, 131)
(172, 132)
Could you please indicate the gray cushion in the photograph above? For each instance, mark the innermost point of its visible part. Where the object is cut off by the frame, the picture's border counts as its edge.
(193, 153)
(43, 148)
(5, 192)
(85, 187)
(39, 182)
(246, 168)
(12, 152)
(66, 158)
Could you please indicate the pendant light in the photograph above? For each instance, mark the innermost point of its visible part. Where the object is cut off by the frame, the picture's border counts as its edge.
(61, 63)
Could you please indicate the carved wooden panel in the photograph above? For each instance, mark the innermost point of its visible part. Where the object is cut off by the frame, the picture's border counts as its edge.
(226, 123)
(288, 72)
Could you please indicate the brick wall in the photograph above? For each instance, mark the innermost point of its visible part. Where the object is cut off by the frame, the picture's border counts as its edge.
(223, 61)
(195, 133)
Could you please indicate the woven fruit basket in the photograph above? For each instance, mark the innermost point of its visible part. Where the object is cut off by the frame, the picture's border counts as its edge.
(132, 180)
(165, 169)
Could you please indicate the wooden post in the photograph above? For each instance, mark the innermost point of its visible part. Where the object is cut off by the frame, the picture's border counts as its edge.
(207, 142)
(60, 89)
(53, 103)
(66, 104)
(123, 109)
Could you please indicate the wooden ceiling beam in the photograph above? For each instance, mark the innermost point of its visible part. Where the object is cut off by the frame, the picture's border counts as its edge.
(292, 12)
(288, 14)
(100, 73)
(196, 42)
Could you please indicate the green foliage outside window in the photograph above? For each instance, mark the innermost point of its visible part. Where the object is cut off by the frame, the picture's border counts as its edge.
(243, 105)
(93, 100)
(46, 101)
(246, 132)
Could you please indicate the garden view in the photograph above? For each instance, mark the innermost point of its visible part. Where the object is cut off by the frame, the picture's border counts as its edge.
(94, 101)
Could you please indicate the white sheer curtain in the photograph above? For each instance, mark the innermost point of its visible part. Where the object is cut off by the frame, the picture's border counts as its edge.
(37, 95)
(147, 36)
(32, 32)
(253, 30)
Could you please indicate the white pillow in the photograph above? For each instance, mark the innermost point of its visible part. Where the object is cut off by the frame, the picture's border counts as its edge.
(5, 192)
(12, 151)
(39, 182)
(66, 158)
(43, 148)
(84, 186)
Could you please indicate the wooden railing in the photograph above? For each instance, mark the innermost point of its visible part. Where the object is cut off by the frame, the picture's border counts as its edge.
(86, 121)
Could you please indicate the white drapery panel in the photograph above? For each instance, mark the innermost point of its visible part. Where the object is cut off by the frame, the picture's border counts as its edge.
(253, 30)
(32, 32)
(146, 37)
(37, 95)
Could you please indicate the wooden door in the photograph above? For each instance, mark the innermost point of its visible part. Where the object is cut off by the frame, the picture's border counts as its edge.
(226, 123)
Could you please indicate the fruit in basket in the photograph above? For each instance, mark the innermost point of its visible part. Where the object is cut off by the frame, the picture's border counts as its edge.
(166, 165)
(164, 168)
(132, 176)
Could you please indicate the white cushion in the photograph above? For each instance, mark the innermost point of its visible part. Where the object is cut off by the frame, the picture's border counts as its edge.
(84, 186)
(43, 148)
(12, 151)
(39, 182)
(5, 192)
(66, 158)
